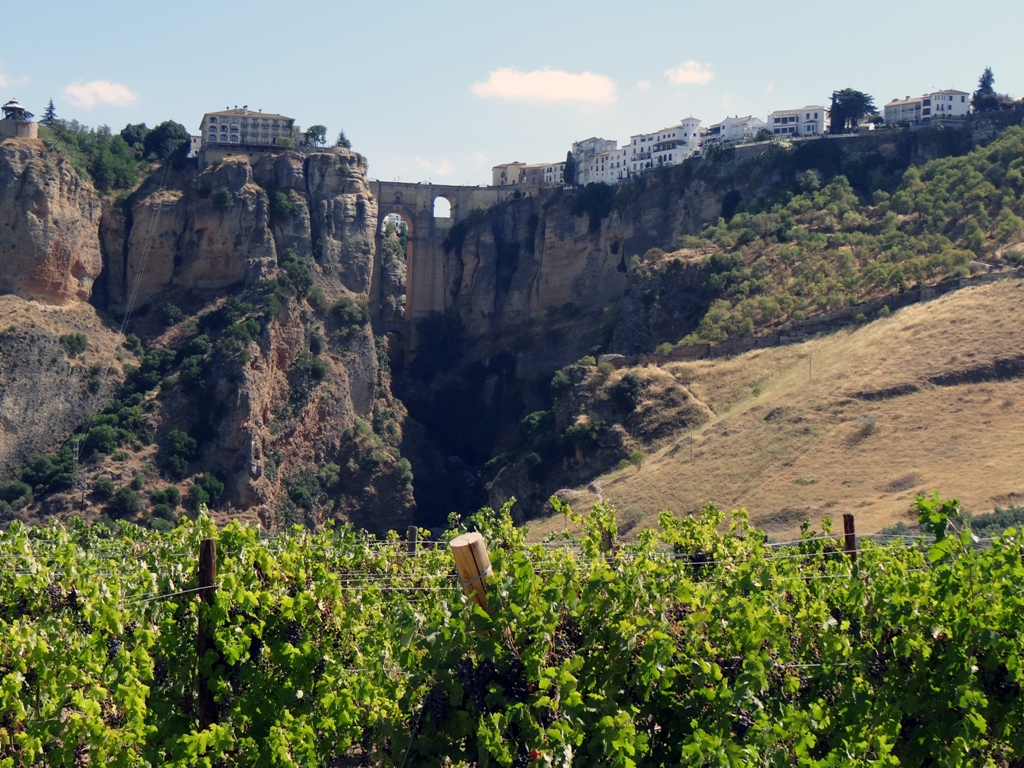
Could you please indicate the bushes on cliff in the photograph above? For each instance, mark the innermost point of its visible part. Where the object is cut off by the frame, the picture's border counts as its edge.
(222, 199)
(96, 154)
(349, 316)
(626, 392)
(74, 343)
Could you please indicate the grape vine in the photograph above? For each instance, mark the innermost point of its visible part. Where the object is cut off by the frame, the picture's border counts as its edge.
(697, 644)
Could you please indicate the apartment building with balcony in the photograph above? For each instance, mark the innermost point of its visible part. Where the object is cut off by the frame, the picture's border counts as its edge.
(669, 146)
(798, 123)
(731, 129)
(948, 104)
(244, 131)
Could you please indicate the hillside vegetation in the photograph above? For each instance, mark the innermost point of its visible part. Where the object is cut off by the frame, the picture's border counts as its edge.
(858, 421)
(805, 248)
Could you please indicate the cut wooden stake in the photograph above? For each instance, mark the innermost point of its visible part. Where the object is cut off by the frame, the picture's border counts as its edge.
(850, 545)
(606, 541)
(412, 536)
(473, 565)
(204, 640)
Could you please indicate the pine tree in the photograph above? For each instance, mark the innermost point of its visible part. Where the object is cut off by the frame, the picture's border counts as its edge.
(50, 115)
(569, 174)
(986, 99)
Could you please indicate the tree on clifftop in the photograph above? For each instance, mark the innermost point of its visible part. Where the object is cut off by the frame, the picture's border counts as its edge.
(50, 115)
(343, 141)
(985, 99)
(569, 175)
(849, 107)
(316, 135)
(168, 141)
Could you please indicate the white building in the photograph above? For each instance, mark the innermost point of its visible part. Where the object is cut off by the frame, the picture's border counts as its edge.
(607, 167)
(669, 146)
(797, 123)
(554, 174)
(940, 105)
(731, 129)
(584, 153)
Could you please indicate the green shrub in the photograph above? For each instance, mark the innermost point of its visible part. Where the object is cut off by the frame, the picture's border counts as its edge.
(587, 360)
(350, 315)
(170, 496)
(161, 524)
(74, 343)
(560, 382)
(281, 206)
(665, 348)
(299, 276)
(222, 198)
(102, 439)
(317, 343)
(16, 493)
(626, 393)
(171, 314)
(860, 318)
(305, 375)
(124, 503)
(316, 299)
(403, 472)
(103, 487)
(605, 369)
(138, 482)
(636, 458)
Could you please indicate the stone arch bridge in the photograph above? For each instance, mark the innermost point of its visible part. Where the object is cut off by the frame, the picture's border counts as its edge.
(424, 280)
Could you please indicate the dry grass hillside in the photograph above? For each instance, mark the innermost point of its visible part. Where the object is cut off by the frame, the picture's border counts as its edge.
(860, 421)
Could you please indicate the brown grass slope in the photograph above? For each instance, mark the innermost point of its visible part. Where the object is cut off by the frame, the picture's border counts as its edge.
(859, 421)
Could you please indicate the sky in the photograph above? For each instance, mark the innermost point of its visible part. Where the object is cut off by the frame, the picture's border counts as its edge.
(442, 91)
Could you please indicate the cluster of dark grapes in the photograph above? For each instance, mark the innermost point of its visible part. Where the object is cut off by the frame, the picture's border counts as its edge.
(31, 677)
(54, 596)
(321, 667)
(743, 721)
(72, 601)
(475, 679)
(234, 611)
(83, 625)
(294, 633)
(130, 627)
(255, 648)
(159, 672)
(546, 716)
(876, 668)
(435, 704)
(113, 646)
(514, 682)
(568, 638)
(701, 563)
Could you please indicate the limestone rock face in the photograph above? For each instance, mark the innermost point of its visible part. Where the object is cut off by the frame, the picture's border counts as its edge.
(49, 248)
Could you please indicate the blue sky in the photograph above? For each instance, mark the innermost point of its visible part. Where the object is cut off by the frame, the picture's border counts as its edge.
(444, 90)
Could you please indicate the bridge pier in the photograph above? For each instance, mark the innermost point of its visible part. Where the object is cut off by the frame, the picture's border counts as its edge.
(425, 257)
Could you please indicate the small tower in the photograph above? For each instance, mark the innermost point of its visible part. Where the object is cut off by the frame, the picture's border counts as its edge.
(16, 122)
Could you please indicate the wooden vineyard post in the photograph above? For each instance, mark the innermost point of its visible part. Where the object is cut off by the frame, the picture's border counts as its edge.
(204, 640)
(606, 541)
(850, 545)
(473, 565)
(411, 536)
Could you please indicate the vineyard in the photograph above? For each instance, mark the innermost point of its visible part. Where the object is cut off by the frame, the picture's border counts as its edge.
(700, 643)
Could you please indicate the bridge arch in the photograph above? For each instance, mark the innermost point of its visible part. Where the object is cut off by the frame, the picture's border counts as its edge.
(443, 208)
(425, 256)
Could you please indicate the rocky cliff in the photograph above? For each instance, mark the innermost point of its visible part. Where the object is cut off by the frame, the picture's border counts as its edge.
(49, 250)
(242, 286)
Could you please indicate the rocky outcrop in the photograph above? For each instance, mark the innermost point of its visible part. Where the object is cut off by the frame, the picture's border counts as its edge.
(49, 249)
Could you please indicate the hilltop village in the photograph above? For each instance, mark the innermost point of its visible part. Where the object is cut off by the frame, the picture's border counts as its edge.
(603, 161)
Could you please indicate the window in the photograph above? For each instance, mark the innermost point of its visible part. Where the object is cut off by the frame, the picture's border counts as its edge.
(213, 119)
(234, 138)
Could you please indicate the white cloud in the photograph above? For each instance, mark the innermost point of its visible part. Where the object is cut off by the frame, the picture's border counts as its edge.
(10, 82)
(771, 87)
(88, 95)
(546, 86)
(643, 85)
(479, 157)
(690, 72)
(444, 168)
